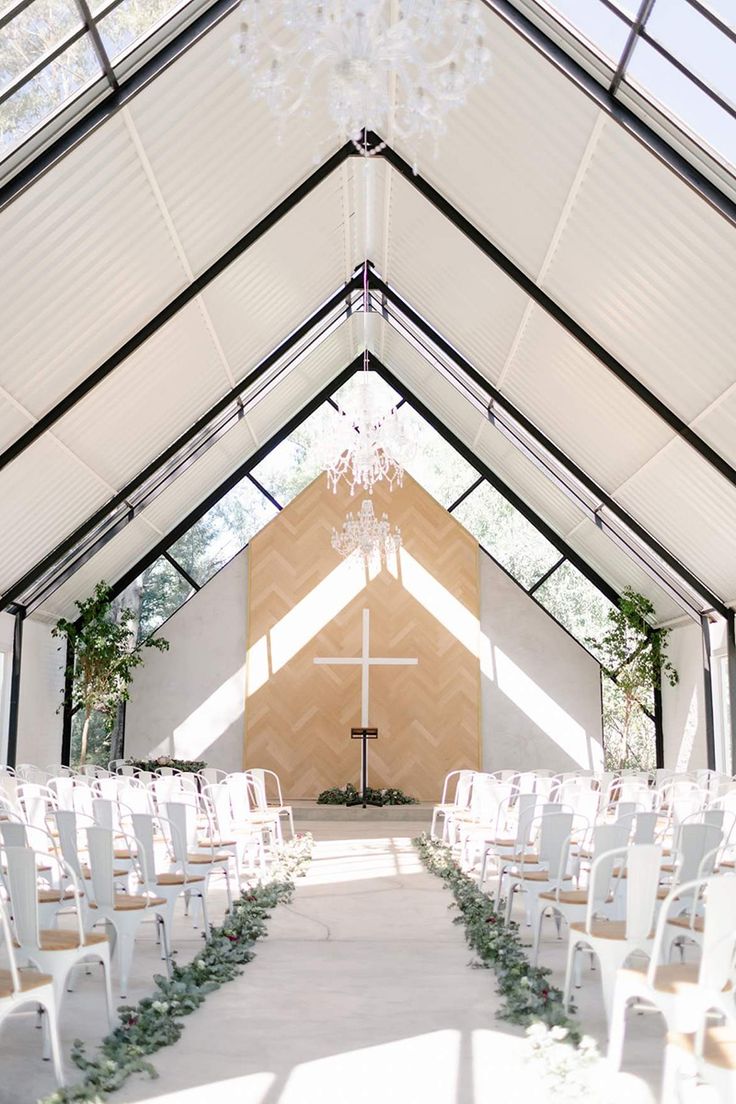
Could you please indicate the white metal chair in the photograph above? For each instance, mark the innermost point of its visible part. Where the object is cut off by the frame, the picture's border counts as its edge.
(684, 992)
(462, 783)
(263, 777)
(170, 884)
(53, 951)
(18, 989)
(189, 853)
(544, 870)
(613, 941)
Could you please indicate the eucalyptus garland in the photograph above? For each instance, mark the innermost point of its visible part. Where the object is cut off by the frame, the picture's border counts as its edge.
(528, 996)
(155, 1022)
(351, 796)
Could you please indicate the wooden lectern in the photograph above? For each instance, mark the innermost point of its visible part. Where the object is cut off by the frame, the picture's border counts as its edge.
(364, 734)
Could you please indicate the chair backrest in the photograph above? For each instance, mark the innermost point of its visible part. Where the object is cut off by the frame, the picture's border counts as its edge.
(642, 882)
(693, 842)
(237, 785)
(642, 827)
(486, 795)
(608, 841)
(63, 788)
(82, 797)
(9, 787)
(183, 821)
(66, 826)
(143, 830)
(256, 791)
(100, 845)
(13, 833)
(554, 840)
(6, 938)
(218, 796)
(21, 879)
(106, 813)
(719, 932)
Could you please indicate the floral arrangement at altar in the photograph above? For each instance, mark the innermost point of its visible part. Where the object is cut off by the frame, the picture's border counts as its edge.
(186, 766)
(351, 796)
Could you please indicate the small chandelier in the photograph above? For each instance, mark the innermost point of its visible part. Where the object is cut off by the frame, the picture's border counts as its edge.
(368, 443)
(367, 535)
(396, 66)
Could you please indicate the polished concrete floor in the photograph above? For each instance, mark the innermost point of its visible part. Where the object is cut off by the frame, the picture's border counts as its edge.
(361, 992)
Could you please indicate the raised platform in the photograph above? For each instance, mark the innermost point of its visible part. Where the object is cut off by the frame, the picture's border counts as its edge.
(309, 811)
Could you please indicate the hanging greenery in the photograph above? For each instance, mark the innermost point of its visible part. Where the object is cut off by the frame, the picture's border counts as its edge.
(155, 1022)
(634, 657)
(527, 994)
(105, 656)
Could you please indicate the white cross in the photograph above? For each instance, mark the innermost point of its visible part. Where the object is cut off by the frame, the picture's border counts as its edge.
(365, 661)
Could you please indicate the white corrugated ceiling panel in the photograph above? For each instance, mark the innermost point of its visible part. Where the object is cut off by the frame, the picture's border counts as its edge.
(87, 259)
(110, 563)
(596, 421)
(460, 416)
(213, 148)
(450, 282)
(650, 269)
(148, 400)
(44, 495)
(692, 510)
(510, 154)
(717, 425)
(619, 569)
(272, 288)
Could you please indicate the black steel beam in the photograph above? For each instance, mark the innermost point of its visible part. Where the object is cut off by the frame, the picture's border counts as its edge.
(618, 112)
(122, 503)
(14, 711)
(543, 578)
(710, 727)
(190, 292)
(68, 707)
(266, 493)
(551, 307)
(214, 497)
(468, 491)
(182, 571)
(491, 477)
(501, 403)
(117, 99)
(658, 728)
(731, 671)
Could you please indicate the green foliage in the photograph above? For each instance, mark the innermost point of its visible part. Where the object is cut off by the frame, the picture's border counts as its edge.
(186, 766)
(634, 659)
(154, 1022)
(350, 796)
(105, 657)
(528, 996)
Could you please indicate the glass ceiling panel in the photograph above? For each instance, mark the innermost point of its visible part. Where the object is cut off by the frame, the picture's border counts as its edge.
(699, 50)
(38, 29)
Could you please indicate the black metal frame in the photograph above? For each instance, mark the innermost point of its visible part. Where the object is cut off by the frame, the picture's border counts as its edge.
(94, 533)
(555, 311)
(618, 112)
(710, 728)
(67, 710)
(15, 674)
(498, 409)
(731, 666)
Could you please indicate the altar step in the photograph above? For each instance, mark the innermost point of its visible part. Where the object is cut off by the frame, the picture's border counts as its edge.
(306, 811)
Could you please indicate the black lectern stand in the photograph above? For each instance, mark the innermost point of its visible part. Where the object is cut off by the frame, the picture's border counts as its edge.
(364, 734)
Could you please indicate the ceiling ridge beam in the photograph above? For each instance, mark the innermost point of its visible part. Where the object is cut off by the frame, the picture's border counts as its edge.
(121, 503)
(194, 288)
(502, 403)
(555, 311)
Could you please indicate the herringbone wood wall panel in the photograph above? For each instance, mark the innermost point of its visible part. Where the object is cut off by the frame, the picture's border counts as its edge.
(305, 602)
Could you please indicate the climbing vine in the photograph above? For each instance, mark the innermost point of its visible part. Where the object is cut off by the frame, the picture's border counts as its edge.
(155, 1022)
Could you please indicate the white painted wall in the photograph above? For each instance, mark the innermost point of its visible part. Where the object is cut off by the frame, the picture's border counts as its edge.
(683, 706)
(41, 690)
(189, 702)
(540, 690)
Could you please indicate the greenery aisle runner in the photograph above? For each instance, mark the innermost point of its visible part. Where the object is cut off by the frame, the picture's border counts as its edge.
(568, 1062)
(155, 1022)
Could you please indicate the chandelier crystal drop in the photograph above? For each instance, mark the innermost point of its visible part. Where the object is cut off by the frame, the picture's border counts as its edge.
(368, 444)
(397, 67)
(365, 534)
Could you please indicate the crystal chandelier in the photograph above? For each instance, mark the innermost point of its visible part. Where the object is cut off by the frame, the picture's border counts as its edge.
(393, 66)
(367, 535)
(368, 443)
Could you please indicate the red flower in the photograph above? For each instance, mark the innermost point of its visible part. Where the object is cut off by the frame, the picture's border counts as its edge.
(233, 938)
(491, 920)
(545, 994)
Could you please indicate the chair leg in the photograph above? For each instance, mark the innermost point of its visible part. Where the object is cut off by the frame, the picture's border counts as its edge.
(617, 1026)
(572, 950)
(126, 945)
(51, 1033)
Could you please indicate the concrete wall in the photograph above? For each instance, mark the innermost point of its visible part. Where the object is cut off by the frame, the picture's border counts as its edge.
(41, 686)
(683, 706)
(189, 702)
(540, 690)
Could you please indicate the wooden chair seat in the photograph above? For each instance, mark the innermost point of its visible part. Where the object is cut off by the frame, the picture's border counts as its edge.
(87, 873)
(673, 979)
(719, 1046)
(198, 859)
(129, 902)
(683, 922)
(29, 979)
(123, 853)
(52, 896)
(177, 879)
(57, 939)
(218, 842)
(567, 896)
(605, 929)
(543, 876)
